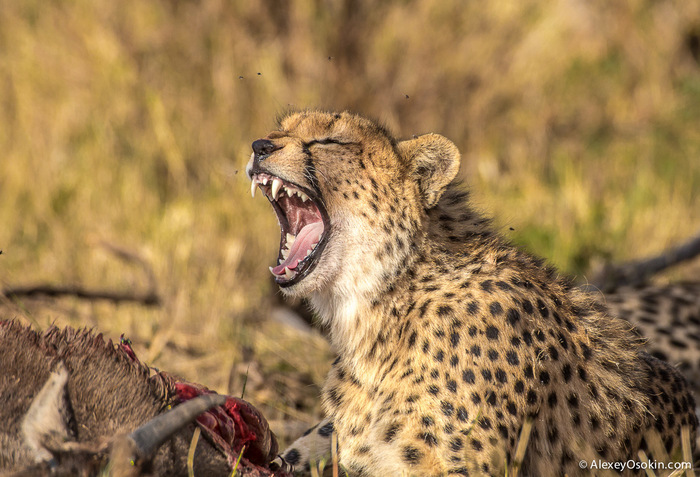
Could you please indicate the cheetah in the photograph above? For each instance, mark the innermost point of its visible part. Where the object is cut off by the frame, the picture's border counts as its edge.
(448, 338)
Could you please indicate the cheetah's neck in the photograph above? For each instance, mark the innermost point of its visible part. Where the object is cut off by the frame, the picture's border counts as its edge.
(357, 307)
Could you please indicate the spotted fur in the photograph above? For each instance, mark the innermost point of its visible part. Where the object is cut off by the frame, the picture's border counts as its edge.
(668, 316)
(448, 337)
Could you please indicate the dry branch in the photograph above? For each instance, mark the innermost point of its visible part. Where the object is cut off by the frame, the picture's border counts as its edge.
(638, 272)
(147, 299)
(150, 298)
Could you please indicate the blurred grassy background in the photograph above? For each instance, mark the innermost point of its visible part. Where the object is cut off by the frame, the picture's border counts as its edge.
(130, 123)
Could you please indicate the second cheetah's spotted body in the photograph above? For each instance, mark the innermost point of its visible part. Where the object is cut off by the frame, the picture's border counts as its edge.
(448, 338)
(668, 317)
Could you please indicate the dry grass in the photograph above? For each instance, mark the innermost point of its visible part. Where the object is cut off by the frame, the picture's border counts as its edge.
(130, 122)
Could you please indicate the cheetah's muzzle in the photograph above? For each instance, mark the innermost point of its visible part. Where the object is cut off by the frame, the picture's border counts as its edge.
(303, 224)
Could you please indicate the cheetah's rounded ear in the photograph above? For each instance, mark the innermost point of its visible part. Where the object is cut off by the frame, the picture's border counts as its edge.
(434, 162)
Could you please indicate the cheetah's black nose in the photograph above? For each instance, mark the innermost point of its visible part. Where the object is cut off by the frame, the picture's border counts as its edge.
(263, 147)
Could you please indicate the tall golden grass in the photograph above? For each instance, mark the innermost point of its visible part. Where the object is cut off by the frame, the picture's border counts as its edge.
(130, 123)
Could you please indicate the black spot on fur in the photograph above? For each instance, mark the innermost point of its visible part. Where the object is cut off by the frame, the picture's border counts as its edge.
(501, 375)
(391, 432)
(411, 455)
(495, 308)
(531, 397)
(447, 408)
(428, 438)
(553, 353)
(492, 332)
(503, 286)
(586, 350)
(444, 310)
(582, 374)
(334, 397)
(513, 316)
(512, 358)
(463, 471)
(485, 423)
(424, 307)
(519, 387)
(456, 444)
(462, 414)
(468, 376)
(566, 372)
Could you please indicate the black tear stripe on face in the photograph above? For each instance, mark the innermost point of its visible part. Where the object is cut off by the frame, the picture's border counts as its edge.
(310, 173)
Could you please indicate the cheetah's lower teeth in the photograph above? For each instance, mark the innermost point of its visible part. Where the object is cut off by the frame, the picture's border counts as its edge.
(287, 273)
(297, 248)
(285, 252)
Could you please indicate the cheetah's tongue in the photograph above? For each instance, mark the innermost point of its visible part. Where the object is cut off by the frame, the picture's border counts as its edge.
(306, 240)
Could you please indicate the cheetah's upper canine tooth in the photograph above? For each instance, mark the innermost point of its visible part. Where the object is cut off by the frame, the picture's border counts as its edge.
(303, 196)
(253, 186)
(276, 185)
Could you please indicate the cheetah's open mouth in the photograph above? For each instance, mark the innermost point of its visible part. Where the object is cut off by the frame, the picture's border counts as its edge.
(303, 222)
